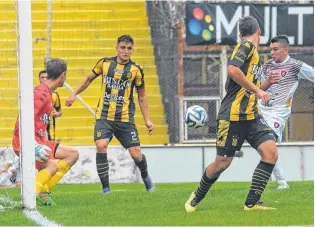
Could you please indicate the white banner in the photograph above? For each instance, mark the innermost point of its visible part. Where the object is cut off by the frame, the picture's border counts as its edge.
(122, 168)
(169, 164)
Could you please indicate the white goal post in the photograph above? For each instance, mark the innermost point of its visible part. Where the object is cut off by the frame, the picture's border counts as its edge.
(26, 102)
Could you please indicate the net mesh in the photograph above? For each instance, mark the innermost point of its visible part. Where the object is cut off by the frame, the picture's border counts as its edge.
(9, 95)
(8, 72)
(8, 98)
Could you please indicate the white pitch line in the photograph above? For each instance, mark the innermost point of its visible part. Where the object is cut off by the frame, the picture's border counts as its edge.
(37, 217)
(33, 215)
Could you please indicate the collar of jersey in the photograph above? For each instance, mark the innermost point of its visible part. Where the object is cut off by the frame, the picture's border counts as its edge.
(280, 63)
(115, 58)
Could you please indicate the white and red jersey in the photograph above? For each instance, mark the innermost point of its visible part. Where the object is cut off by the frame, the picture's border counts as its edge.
(42, 110)
(278, 110)
(281, 93)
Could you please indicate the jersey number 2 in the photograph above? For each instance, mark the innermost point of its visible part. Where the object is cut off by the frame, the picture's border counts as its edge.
(134, 136)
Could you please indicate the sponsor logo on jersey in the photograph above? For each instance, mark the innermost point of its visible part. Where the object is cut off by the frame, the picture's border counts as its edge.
(45, 118)
(119, 99)
(256, 70)
(117, 84)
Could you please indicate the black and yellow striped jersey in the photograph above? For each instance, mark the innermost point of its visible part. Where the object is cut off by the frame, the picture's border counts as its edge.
(116, 101)
(51, 127)
(240, 104)
(56, 101)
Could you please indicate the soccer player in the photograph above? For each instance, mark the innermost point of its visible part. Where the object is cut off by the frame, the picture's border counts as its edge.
(286, 72)
(116, 108)
(10, 175)
(57, 111)
(50, 172)
(239, 119)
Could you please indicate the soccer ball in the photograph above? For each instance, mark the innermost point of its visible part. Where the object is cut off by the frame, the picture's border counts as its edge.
(196, 116)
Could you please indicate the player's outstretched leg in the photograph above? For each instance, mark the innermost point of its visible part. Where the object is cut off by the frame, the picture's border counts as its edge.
(198, 195)
(279, 174)
(211, 174)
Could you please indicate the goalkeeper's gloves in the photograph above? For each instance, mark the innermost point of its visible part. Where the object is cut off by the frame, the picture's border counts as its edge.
(41, 152)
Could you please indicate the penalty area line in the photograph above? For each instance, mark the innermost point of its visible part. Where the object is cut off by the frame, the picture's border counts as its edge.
(38, 218)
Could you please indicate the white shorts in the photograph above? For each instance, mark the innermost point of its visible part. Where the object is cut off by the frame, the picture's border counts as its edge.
(276, 125)
(276, 119)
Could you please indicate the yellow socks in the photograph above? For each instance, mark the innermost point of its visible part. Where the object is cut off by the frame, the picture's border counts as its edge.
(63, 168)
(45, 188)
(42, 177)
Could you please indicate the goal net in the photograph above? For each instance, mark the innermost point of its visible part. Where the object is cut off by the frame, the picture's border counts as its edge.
(16, 89)
(8, 98)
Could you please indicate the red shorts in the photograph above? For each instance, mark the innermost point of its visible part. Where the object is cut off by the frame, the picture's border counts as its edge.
(51, 144)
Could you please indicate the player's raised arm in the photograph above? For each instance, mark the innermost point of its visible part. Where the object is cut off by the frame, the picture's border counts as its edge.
(306, 72)
(96, 71)
(238, 76)
(88, 79)
(243, 52)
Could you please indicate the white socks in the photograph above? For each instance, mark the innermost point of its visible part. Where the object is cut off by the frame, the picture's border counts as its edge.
(278, 171)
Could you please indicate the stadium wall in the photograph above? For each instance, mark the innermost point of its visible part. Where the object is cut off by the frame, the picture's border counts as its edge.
(185, 164)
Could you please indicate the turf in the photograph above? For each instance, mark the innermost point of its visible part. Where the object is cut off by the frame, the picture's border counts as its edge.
(130, 205)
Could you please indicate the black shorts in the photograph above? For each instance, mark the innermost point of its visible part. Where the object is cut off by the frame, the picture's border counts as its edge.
(125, 132)
(232, 134)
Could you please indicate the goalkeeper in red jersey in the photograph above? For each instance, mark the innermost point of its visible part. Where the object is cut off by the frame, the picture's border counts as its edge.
(50, 172)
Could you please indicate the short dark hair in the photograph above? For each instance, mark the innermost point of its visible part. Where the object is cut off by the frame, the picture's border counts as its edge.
(54, 67)
(282, 39)
(125, 38)
(248, 25)
(41, 72)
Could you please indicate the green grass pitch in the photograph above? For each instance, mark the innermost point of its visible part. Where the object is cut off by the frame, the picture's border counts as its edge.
(130, 205)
